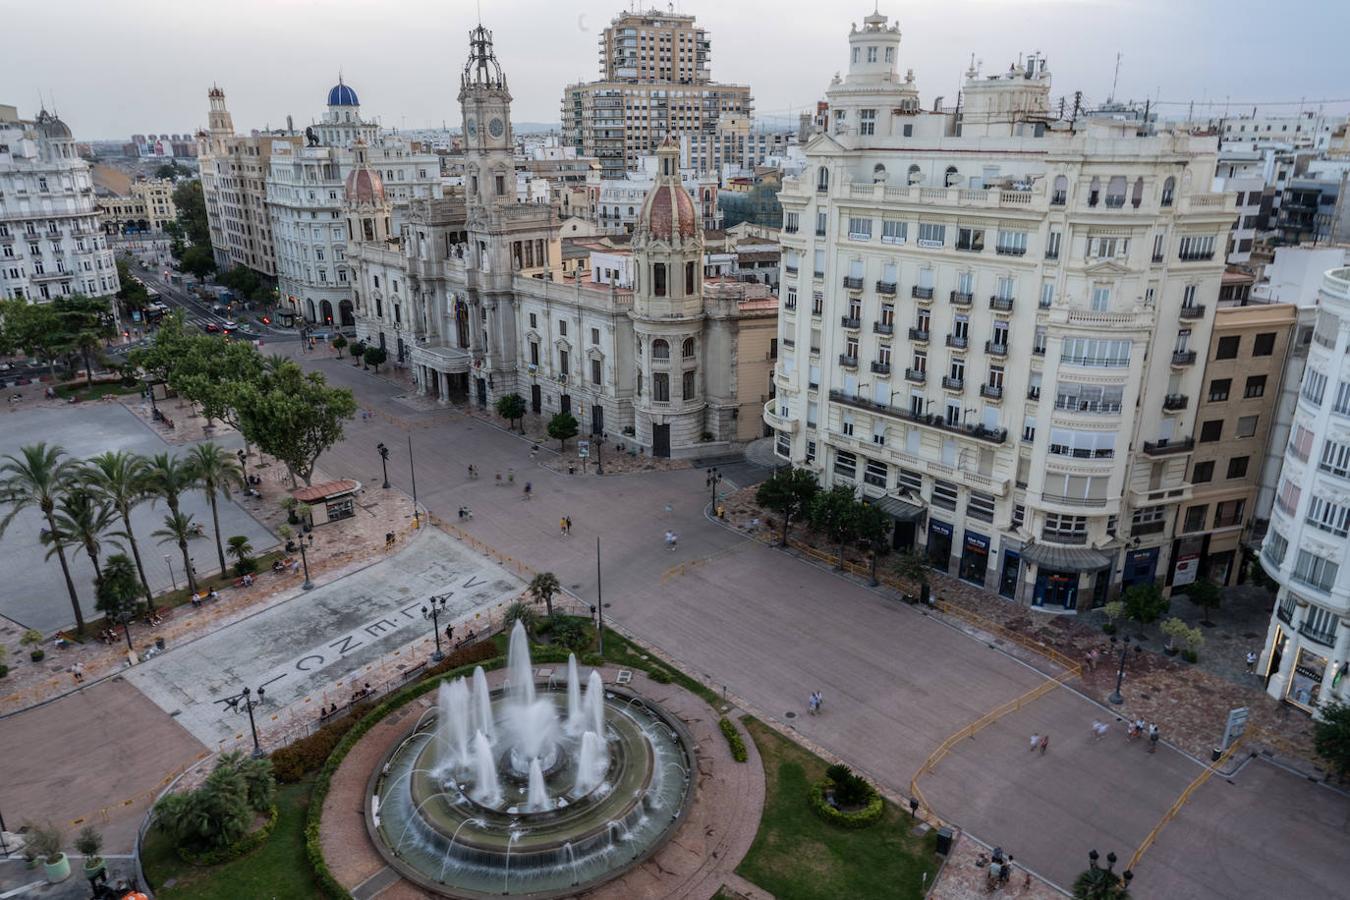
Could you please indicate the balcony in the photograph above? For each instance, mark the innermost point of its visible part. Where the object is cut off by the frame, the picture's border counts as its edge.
(1001, 304)
(789, 229)
(1066, 500)
(962, 298)
(1174, 402)
(1183, 357)
(992, 391)
(1113, 202)
(953, 384)
(853, 284)
(1227, 521)
(881, 368)
(918, 376)
(978, 432)
(1011, 251)
(1169, 447)
(921, 293)
(778, 422)
(1325, 638)
(995, 349)
(1195, 255)
(918, 334)
(1034, 392)
(848, 362)
(1056, 536)
(883, 328)
(886, 287)
(852, 322)
(956, 342)
(1195, 311)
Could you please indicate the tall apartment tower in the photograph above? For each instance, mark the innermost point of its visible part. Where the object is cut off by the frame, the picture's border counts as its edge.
(655, 83)
(1307, 647)
(985, 311)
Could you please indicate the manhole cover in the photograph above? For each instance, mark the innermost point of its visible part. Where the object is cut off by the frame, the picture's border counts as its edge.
(791, 715)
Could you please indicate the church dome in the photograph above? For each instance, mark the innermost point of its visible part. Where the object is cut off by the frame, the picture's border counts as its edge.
(342, 95)
(364, 186)
(49, 126)
(668, 211)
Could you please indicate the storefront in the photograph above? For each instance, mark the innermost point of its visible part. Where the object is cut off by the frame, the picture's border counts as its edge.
(1062, 571)
(905, 517)
(330, 501)
(1305, 681)
(939, 545)
(974, 558)
(1009, 574)
(1141, 567)
(1055, 588)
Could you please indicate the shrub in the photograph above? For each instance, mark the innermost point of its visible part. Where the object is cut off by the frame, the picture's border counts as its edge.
(592, 659)
(246, 566)
(45, 841)
(1144, 603)
(1331, 736)
(37, 654)
(849, 789)
(734, 739)
(660, 676)
(1176, 631)
(872, 807)
(4, 670)
(89, 843)
(571, 632)
(31, 636)
(298, 758)
(212, 819)
(521, 612)
(468, 655)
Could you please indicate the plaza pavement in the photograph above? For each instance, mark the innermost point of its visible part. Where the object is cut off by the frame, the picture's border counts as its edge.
(772, 628)
(297, 648)
(34, 594)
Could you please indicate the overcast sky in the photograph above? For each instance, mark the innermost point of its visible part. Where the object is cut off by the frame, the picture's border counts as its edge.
(117, 67)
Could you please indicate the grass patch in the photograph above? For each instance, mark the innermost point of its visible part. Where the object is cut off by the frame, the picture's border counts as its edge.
(97, 391)
(276, 869)
(798, 856)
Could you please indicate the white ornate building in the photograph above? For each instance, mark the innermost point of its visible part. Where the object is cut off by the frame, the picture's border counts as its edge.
(988, 317)
(1307, 649)
(468, 291)
(51, 241)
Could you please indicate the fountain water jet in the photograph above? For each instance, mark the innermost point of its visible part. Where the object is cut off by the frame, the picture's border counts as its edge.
(520, 671)
(452, 723)
(538, 799)
(482, 704)
(487, 790)
(574, 711)
(595, 705)
(592, 762)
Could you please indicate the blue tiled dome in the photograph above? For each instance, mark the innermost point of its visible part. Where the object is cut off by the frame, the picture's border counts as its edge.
(342, 95)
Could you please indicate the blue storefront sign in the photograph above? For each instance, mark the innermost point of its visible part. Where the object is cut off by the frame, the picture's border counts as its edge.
(939, 544)
(1140, 567)
(974, 558)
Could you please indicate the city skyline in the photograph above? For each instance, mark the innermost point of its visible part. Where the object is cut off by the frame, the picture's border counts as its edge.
(405, 63)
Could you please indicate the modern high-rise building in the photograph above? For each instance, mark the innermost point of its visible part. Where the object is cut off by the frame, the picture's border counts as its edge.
(1307, 650)
(655, 83)
(987, 315)
(234, 171)
(51, 242)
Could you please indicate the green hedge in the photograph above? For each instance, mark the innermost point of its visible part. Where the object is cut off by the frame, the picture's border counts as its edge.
(733, 739)
(246, 844)
(868, 815)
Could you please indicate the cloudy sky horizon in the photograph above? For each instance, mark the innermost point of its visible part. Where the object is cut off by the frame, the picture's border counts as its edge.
(140, 66)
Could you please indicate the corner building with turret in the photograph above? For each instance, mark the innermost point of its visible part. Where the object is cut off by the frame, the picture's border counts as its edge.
(471, 287)
(993, 316)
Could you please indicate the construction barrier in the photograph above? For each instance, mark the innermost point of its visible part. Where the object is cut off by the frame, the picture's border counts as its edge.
(1180, 802)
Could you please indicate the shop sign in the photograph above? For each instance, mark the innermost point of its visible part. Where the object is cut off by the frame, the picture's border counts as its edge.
(1237, 724)
(583, 449)
(1185, 572)
(977, 542)
(939, 527)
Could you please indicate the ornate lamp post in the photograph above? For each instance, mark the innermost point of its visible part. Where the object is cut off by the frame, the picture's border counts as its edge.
(1115, 697)
(245, 701)
(304, 560)
(713, 480)
(384, 462)
(436, 606)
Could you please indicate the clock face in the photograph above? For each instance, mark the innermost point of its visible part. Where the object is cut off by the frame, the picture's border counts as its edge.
(496, 127)
(471, 125)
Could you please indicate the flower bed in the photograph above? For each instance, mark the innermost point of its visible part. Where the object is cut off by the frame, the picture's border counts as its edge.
(246, 844)
(869, 814)
(733, 737)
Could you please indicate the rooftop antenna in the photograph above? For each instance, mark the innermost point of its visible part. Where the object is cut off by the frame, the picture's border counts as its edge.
(1115, 79)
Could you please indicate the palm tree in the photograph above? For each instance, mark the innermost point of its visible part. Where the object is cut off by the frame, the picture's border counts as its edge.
(120, 479)
(89, 346)
(82, 518)
(217, 471)
(168, 476)
(180, 529)
(241, 551)
(543, 586)
(34, 478)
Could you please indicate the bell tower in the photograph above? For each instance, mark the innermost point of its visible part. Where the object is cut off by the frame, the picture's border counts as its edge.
(218, 119)
(490, 178)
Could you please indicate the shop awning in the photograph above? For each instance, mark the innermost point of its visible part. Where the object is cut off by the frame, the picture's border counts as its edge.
(1066, 559)
(898, 509)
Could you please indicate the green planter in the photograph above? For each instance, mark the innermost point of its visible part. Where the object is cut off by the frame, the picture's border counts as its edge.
(56, 871)
(91, 871)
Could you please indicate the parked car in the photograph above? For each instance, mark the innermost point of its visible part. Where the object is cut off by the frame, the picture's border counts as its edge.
(212, 328)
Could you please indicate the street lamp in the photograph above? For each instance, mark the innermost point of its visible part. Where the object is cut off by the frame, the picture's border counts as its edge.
(433, 613)
(384, 462)
(308, 585)
(1120, 672)
(244, 701)
(1104, 880)
(713, 480)
(598, 439)
(124, 618)
(172, 577)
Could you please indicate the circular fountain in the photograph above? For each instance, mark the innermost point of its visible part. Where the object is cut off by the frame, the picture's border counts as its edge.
(524, 791)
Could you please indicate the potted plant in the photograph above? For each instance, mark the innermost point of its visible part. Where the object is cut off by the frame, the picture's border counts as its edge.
(303, 513)
(89, 843)
(286, 532)
(46, 841)
(1113, 610)
(1195, 639)
(1176, 631)
(289, 504)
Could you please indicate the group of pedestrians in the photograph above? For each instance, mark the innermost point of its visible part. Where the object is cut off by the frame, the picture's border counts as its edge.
(564, 526)
(814, 704)
(672, 540)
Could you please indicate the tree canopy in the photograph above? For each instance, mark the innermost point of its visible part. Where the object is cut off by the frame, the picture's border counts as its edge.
(562, 427)
(191, 205)
(788, 492)
(293, 416)
(511, 407)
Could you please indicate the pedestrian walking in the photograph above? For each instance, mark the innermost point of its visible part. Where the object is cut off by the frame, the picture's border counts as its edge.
(1152, 737)
(562, 527)
(473, 472)
(1006, 873)
(1251, 662)
(567, 520)
(77, 671)
(534, 451)
(674, 541)
(820, 701)
(811, 704)
(1035, 741)
(528, 488)
(1092, 660)
(670, 540)
(1099, 729)
(499, 479)
(1045, 743)
(511, 476)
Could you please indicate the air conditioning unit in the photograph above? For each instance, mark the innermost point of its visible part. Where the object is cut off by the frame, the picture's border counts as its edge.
(532, 368)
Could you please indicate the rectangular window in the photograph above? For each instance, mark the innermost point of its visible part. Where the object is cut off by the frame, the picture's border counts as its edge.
(1276, 547)
(945, 494)
(1328, 516)
(970, 239)
(1195, 518)
(819, 260)
(1065, 529)
(1335, 457)
(1012, 243)
(1052, 245)
(1196, 246)
(1288, 497)
(661, 387)
(1315, 571)
(867, 118)
(1237, 466)
(1218, 389)
(845, 464)
(1101, 299)
(1096, 352)
(822, 219)
(932, 235)
(1246, 426)
(893, 232)
(1264, 345)
(1211, 431)
(980, 506)
(1227, 347)
(595, 371)
(859, 229)
(1314, 386)
(875, 473)
(659, 279)
(1256, 387)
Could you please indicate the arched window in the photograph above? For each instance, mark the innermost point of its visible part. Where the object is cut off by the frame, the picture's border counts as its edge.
(660, 349)
(1137, 195)
(1115, 191)
(915, 175)
(687, 349)
(953, 177)
(1169, 188)
(689, 385)
(1094, 191)
(1061, 194)
(878, 173)
(659, 279)
(822, 179)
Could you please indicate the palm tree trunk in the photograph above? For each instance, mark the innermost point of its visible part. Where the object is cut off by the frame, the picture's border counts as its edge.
(187, 567)
(874, 569)
(93, 558)
(215, 522)
(88, 371)
(70, 584)
(787, 523)
(140, 567)
(840, 567)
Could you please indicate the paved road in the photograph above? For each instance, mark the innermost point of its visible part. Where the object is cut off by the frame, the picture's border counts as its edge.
(296, 648)
(772, 629)
(35, 595)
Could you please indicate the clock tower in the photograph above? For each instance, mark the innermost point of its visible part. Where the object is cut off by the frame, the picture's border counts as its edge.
(489, 175)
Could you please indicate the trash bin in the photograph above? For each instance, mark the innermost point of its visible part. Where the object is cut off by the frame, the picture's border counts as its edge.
(944, 841)
(1214, 754)
(159, 643)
